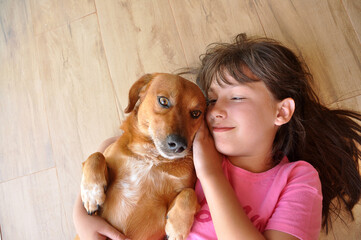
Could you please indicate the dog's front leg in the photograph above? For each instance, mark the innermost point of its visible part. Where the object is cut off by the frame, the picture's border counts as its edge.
(180, 215)
(94, 182)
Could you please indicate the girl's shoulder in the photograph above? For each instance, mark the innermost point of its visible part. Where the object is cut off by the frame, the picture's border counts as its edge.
(297, 184)
(284, 167)
(284, 174)
(299, 172)
(299, 167)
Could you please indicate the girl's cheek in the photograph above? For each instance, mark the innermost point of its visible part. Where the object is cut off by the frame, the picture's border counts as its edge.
(209, 123)
(208, 118)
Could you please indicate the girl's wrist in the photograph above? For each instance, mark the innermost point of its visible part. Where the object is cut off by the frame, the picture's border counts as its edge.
(215, 173)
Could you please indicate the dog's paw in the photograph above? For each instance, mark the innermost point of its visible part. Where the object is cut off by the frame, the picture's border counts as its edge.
(174, 232)
(178, 226)
(94, 182)
(180, 216)
(93, 196)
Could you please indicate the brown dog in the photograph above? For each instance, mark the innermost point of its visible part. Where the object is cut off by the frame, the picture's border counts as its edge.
(148, 172)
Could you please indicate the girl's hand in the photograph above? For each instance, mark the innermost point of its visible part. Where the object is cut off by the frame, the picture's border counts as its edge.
(93, 227)
(207, 160)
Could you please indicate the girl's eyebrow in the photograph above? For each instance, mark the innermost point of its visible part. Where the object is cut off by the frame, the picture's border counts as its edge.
(210, 90)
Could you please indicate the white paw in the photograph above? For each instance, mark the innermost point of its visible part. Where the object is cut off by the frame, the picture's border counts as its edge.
(92, 195)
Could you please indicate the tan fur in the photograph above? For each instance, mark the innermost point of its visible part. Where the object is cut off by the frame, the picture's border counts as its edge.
(149, 186)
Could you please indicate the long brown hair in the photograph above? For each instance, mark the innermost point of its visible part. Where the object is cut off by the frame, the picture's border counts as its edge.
(327, 139)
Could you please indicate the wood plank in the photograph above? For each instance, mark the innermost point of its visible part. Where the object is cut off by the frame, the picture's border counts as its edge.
(79, 99)
(139, 37)
(353, 9)
(50, 14)
(200, 23)
(31, 208)
(24, 139)
(323, 33)
(346, 228)
(353, 103)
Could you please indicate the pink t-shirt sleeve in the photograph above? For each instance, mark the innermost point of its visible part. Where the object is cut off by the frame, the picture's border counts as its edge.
(299, 209)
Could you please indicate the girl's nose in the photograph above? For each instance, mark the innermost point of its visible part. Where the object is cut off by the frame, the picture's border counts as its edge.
(217, 111)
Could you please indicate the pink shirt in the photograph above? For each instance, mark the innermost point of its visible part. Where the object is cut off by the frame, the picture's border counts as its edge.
(286, 198)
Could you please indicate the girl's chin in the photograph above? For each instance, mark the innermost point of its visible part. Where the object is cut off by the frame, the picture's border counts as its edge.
(226, 149)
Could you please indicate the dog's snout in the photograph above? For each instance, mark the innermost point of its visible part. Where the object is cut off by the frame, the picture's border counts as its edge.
(176, 143)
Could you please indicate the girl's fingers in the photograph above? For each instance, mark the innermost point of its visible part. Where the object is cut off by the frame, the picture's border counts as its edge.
(112, 233)
(202, 132)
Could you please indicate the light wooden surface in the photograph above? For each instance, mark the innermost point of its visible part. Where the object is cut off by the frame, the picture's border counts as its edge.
(66, 68)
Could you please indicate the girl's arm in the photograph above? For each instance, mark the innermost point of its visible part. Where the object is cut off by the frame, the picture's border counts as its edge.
(229, 219)
(94, 227)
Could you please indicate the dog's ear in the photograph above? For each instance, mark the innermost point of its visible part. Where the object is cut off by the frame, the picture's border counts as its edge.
(135, 90)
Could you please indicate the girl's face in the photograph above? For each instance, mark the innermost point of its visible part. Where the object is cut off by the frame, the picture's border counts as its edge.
(241, 118)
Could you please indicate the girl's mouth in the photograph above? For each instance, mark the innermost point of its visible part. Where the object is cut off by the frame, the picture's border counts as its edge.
(222, 129)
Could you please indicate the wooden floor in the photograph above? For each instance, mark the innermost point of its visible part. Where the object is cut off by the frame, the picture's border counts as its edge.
(66, 68)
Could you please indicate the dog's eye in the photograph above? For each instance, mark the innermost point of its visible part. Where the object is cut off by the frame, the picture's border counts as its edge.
(195, 114)
(164, 102)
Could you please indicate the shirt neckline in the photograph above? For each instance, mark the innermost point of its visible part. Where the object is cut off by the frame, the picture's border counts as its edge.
(228, 168)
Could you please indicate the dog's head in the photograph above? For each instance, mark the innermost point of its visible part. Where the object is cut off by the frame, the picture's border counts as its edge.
(169, 111)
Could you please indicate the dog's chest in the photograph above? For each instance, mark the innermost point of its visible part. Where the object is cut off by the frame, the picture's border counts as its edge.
(142, 179)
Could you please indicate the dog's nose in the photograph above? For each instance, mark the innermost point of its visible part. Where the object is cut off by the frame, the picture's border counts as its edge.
(176, 143)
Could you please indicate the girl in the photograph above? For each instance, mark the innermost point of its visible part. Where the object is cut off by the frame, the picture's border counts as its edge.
(268, 147)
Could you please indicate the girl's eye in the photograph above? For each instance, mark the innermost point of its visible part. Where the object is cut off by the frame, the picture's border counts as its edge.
(211, 101)
(237, 98)
(164, 102)
(195, 114)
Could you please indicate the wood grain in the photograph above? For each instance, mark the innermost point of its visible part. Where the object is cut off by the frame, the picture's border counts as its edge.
(345, 228)
(79, 98)
(139, 37)
(32, 208)
(353, 9)
(25, 144)
(353, 103)
(201, 23)
(50, 14)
